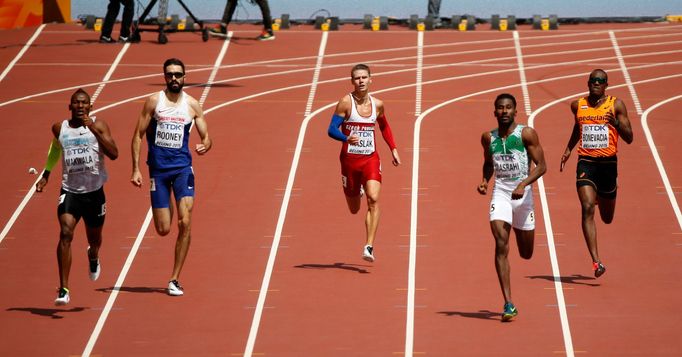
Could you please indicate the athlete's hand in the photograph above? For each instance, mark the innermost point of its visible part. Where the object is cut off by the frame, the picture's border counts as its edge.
(482, 188)
(201, 149)
(518, 192)
(396, 157)
(564, 158)
(136, 179)
(353, 139)
(41, 184)
(87, 120)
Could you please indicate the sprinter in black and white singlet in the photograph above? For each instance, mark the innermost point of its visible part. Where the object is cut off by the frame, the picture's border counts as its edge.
(82, 142)
(509, 152)
(166, 120)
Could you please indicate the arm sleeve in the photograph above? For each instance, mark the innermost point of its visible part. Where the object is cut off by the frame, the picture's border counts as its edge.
(334, 131)
(52, 157)
(386, 131)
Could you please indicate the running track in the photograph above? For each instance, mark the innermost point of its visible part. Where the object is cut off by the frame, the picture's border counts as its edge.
(275, 268)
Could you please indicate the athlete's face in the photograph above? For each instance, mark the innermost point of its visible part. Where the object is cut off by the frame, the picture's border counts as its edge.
(361, 80)
(505, 111)
(80, 105)
(597, 83)
(175, 78)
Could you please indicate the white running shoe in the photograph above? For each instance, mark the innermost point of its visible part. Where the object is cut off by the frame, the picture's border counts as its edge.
(94, 267)
(174, 288)
(368, 253)
(63, 297)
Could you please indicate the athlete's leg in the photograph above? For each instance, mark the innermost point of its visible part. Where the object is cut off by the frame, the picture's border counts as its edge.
(525, 241)
(185, 205)
(162, 219)
(372, 190)
(500, 230)
(607, 208)
(353, 203)
(94, 235)
(67, 224)
(588, 197)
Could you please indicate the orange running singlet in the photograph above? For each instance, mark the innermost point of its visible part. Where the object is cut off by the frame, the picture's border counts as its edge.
(597, 137)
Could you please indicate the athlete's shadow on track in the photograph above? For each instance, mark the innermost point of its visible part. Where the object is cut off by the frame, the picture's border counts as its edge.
(573, 279)
(134, 289)
(343, 266)
(481, 314)
(51, 313)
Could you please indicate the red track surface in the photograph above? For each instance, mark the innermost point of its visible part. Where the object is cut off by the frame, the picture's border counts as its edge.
(321, 298)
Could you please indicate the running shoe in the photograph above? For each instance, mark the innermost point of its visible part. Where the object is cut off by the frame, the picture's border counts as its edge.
(510, 312)
(368, 253)
(106, 39)
(94, 267)
(266, 35)
(599, 269)
(218, 31)
(123, 39)
(174, 288)
(63, 297)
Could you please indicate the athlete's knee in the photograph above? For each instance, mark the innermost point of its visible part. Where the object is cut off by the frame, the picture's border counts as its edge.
(66, 234)
(162, 229)
(587, 208)
(501, 247)
(526, 253)
(184, 223)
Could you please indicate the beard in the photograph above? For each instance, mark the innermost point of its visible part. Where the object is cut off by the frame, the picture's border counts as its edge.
(174, 87)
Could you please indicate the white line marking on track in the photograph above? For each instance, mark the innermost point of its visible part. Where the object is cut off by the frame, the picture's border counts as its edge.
(258, 313)
(626, 74)
(420, 64)
(21, 53)
(117, 287)
(522, 73)
(216, 67)
(657, 158)
(106, 78)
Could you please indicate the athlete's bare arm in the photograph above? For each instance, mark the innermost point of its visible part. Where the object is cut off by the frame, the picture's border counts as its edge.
(575, 136)
(202, 127)
(101, 131)
(488, 168)
(140, 130)
(537, 155)
(620, 121)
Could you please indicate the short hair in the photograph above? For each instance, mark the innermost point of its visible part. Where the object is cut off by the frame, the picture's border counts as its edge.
(360, 67)
(505, 96)
(80, 91)
(602, 71)
(173, 61)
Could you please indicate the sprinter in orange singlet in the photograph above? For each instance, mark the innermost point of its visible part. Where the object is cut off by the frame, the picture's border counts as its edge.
(600, 120)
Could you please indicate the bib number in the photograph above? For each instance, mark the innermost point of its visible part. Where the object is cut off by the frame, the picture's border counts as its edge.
(595, 136)
(366, 144)
(169, 134)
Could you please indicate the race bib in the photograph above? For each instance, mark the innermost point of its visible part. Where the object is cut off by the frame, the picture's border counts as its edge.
(169, 134)
(507, 166)
(80, 158)
(366, 144)
(595, 136)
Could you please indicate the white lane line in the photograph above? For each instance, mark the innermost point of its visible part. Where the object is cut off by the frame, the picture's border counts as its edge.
(216, 67)
(412, 261)
(106, 78)
(258, 313)
(19, 209)
(522, 73)
(420, 69)
(140, 236)
(626, 74)
(21, 53)
(657, 158)
(117, 287)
